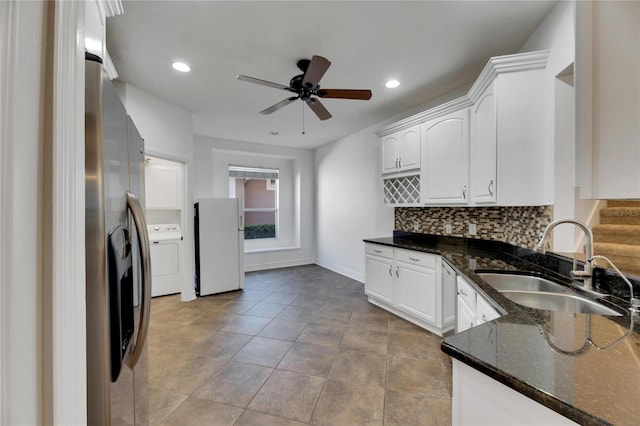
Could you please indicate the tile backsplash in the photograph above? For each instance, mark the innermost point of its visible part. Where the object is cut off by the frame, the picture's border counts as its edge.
(521, 226)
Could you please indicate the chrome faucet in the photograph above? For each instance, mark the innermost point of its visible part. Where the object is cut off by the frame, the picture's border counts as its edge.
(587, 272)
(635, 302)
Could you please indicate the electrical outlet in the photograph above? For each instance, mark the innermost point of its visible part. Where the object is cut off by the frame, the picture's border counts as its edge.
(447, 228)
(416, 225)
(472, 229)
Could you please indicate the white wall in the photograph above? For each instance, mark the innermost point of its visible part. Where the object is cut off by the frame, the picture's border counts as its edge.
(211, 162)
(349, 202)
(167, 133)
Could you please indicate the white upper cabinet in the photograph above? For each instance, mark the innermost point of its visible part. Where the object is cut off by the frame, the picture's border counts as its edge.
(446, 166)
(484, 148)
(488, 146)
(401, 151)
(163, 184)
(607, 75)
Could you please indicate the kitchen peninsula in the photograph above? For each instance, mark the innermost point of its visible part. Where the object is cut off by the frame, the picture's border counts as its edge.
(581, 368)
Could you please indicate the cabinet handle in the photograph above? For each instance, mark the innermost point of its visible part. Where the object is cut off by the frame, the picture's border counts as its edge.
(461, 292)
(448, 272)
(399, 162)
(484, 318)
(414, 259)
(377, 251)
(464, 192)
(397, 273)
(390, 274)
(489, 188)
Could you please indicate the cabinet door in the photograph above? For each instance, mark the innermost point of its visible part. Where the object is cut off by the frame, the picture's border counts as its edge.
(162, 187)
(484, 311)
(465, 318)
(447, 159)
(379, 278)
(449, 294)
(409, 142)
(389, 154)
(484, 148)
(417, 291)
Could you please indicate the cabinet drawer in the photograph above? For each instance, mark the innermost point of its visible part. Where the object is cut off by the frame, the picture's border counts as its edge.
(379, 250)
(467, 293)
(417, 258)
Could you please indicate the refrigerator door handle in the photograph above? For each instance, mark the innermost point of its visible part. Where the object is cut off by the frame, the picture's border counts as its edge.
(145, 304)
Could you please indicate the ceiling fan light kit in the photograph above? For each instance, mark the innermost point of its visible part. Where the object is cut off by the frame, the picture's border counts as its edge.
(307, 85)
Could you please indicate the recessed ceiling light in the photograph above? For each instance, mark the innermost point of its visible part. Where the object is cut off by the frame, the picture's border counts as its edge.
(274, 132)
(181, 66)
(391, 84)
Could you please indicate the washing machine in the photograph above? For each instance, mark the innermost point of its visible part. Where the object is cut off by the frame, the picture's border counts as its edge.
(166, 258)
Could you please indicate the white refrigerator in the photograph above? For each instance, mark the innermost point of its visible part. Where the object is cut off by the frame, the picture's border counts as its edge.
(219, 245)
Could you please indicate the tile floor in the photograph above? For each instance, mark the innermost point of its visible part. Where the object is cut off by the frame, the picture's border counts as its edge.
(298, 346)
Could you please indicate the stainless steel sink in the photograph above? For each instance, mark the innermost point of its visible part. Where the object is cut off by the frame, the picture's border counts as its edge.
(539, 293)
(559, 302)
(504, 282)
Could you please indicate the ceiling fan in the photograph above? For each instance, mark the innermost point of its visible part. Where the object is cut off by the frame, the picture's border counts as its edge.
(306, 85)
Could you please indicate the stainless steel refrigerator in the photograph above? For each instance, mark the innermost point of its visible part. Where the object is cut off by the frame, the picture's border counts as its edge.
(219, 240)
(118, 268)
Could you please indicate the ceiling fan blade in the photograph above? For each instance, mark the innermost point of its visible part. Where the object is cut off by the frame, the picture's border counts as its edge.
(263, 82)
(318, 109)
(364, 95)
(317, 67)
(279, 105)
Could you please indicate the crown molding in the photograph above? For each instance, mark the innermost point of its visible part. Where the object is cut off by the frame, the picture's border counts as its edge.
(495, 66)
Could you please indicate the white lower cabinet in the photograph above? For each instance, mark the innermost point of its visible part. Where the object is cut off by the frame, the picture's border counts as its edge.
(479, 400)
(379, 273)
(473, 308)
(409, 284)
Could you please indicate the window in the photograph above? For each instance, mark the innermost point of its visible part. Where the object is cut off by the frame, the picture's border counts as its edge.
(259, 189)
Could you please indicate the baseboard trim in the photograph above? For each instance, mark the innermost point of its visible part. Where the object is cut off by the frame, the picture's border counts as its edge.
(341, 270)
(281, 264)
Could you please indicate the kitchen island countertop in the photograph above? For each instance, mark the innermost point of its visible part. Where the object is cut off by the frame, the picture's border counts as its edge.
(585, 367)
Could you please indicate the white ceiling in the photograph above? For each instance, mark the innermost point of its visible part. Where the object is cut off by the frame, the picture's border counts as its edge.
(432, 47)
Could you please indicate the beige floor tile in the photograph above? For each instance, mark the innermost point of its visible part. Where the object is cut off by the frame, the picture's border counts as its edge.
(307, 301)
(186, 374)
(413, 409)
(161, 404)
(289, 395)
(222, 344)
(234, 384)
(253, 418)
(318, 334)
(411, 346)
(263, 351)
(349, 404)
(202, 412)
(359, 367)
(247, 324)
(365, 340)
(296, 313)
(280, 297)
(269, 310)
(283, 329)
(331, 316)
(413, 375)
(314, 360)
(370, 321)
(399, 325)
(332, 351)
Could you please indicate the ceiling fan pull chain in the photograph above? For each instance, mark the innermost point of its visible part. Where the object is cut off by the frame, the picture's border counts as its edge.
(303, 118)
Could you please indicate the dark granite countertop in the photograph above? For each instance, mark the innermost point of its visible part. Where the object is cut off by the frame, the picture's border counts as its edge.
(585, 367)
